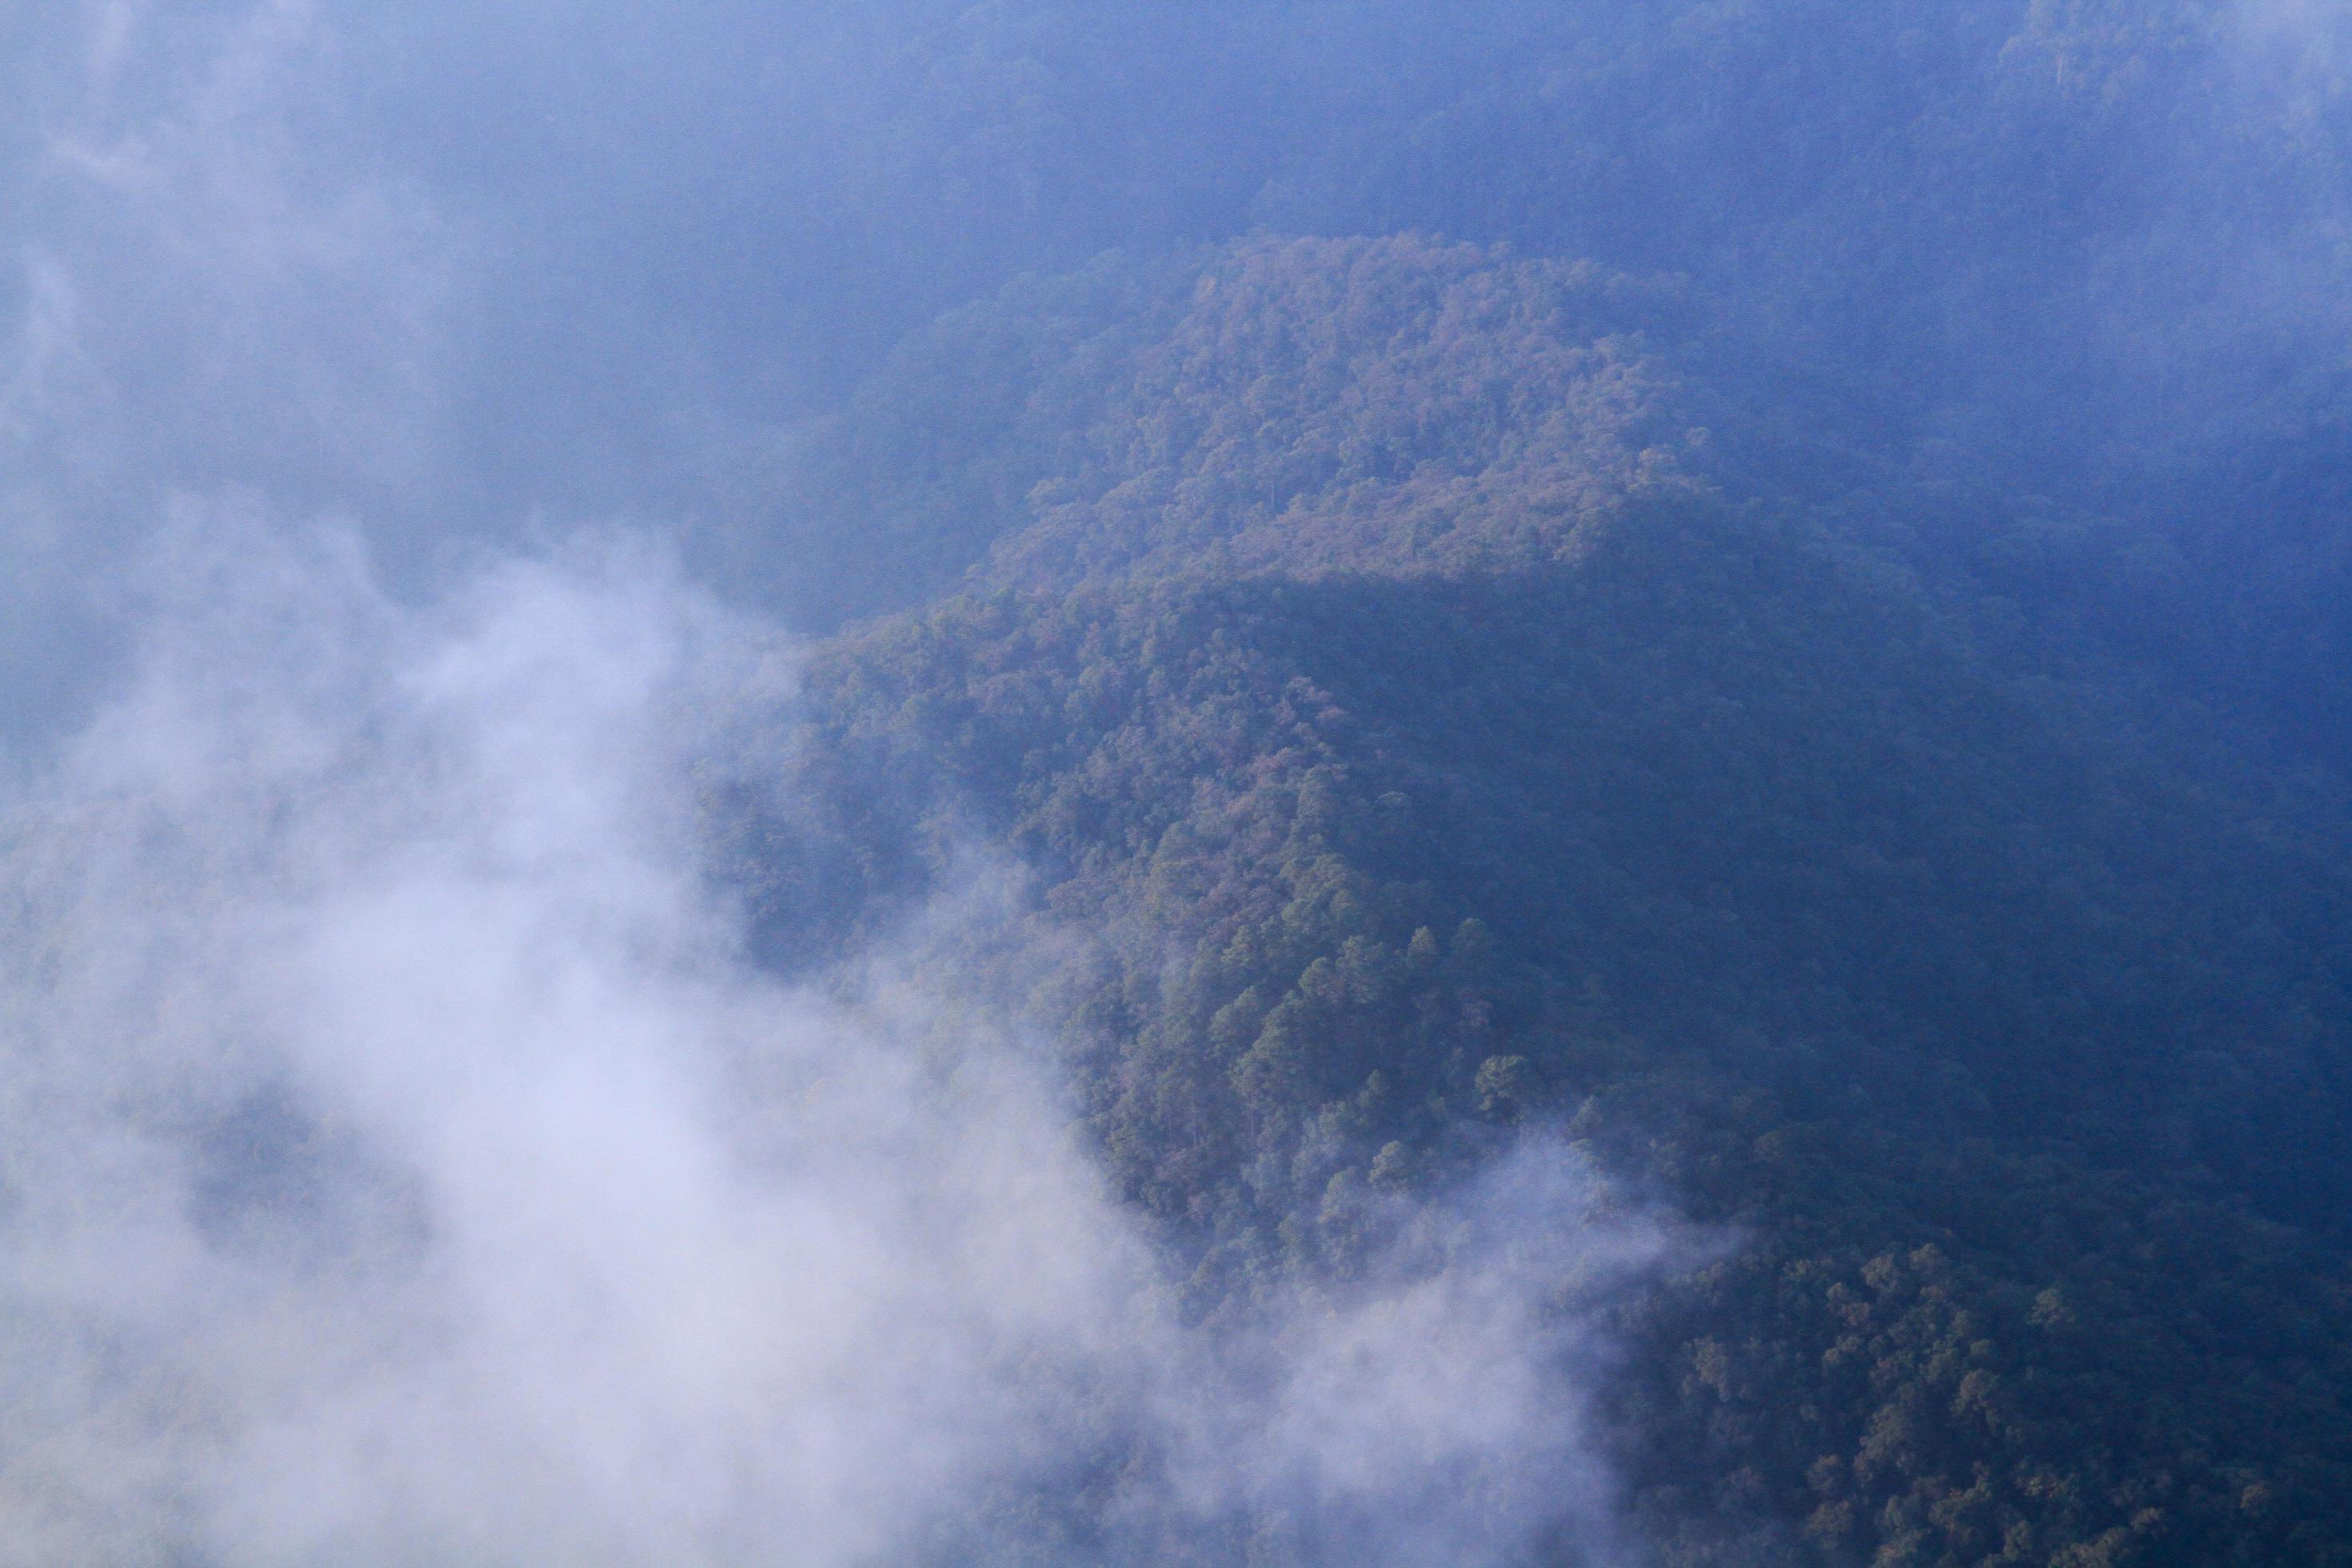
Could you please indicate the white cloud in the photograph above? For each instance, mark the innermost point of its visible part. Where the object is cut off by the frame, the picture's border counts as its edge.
(402, 1164)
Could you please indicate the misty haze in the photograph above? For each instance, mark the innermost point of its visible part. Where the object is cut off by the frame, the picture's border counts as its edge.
(1286, 784)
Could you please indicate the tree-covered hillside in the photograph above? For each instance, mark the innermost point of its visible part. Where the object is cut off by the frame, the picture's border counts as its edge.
(1412, 733)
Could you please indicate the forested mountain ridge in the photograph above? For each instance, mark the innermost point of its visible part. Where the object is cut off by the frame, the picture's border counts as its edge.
(1307, 406)
(1408, 405)
(1364, 649)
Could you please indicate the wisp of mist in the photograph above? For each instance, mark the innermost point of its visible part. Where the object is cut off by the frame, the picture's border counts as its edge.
(401, 1161)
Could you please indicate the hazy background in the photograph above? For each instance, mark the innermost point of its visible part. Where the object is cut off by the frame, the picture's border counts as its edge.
(463, 270)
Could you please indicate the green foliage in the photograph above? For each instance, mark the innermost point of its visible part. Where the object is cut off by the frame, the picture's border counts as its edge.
(1409, 745)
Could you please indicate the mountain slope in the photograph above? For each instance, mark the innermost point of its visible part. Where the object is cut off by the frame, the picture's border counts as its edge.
(1410, 740)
